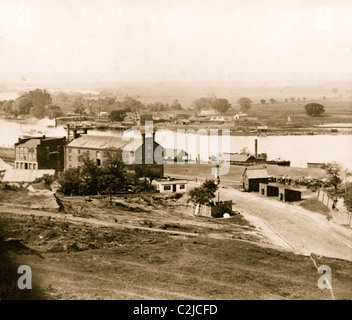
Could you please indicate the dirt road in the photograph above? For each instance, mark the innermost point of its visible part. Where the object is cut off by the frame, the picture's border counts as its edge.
(292, 226)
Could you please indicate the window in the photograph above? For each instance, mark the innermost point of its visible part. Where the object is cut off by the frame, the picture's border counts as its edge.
(24, 157)
(25, 150)
(98, 162)
(70, 166)
(182, 186)
(17, 150)
(69, 158)
(30, 166)
(34, 166)
(69, 150)
(98, 154)
(166, 188)
(79, 151)
(21, 150)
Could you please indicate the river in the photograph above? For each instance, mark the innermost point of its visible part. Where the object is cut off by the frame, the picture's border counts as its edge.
(298, 149)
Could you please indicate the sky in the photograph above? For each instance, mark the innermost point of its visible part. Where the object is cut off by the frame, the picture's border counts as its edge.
(182, 38)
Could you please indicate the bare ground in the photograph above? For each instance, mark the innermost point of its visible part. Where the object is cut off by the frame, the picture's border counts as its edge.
(87, 254)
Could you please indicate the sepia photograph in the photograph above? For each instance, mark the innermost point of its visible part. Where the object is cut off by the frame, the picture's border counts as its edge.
(175, 154)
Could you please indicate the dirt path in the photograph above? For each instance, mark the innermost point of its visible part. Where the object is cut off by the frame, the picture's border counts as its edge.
(293, 226)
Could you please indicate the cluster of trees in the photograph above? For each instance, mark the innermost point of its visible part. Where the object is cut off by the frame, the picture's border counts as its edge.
(159, 106)
(204, 194)
(90, 179)
(36, 103)
(108, 179)
(218, 104)
(245, 104)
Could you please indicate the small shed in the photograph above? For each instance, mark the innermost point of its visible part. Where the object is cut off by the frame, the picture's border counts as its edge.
(315, 165)
(268, 190)
(288, 194)
(251, 178)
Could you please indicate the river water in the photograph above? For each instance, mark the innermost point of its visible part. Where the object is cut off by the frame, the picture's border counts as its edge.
(298, 149)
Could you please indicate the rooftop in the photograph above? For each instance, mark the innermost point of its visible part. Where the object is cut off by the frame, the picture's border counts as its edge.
(97, 142)
(256, 173)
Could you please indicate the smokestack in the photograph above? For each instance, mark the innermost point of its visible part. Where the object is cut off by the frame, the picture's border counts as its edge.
(255, 148)
(68, 132)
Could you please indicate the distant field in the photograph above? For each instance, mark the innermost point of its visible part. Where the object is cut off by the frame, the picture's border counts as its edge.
(276, 114)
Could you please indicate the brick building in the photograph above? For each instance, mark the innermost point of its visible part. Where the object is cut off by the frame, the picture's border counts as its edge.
(40, 153)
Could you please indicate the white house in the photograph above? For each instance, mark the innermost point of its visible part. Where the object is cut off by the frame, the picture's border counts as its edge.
(171, 186)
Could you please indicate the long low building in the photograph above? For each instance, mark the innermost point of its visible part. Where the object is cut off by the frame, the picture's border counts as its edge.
(282, 192)
(171, 186)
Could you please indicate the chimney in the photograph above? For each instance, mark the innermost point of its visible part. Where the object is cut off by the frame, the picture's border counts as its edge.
(75, 134)
(68, 132)
(255, 148)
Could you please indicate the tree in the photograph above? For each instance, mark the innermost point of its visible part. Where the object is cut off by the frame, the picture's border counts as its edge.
(117, 115)
(245, 103)
(348, 197)
(113, 176)
(132, 104)
(70, 181)
(204, 194)
(272, 101)
(314, 109)
(90, 174)
(332, 170)
(203, 103)
(147, 172)
(54, 111)
(262, 101)
(38, 112)
(221, 105)
(36, 98)
(78, 105)
(176, 105)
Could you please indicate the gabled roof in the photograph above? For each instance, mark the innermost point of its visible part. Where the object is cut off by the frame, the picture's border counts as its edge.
(256, 173)
(23, 175)
(240, 157)
(97, 142)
